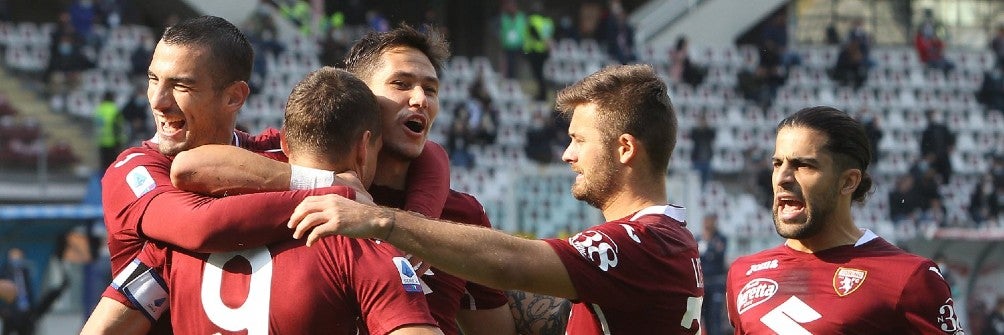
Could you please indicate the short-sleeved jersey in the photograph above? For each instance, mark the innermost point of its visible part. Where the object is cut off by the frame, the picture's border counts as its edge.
(446, 293)
(635, 275)
(871, 287)
(139, 200)
(337, 286)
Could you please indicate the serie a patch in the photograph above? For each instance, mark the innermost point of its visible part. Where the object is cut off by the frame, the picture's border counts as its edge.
(140, 181)
(144, 288)
(848, 280)
(409, 279)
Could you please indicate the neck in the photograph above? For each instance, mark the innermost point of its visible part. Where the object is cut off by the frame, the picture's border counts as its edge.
(392, 171)
(633, 197)
(318, 163)
(839, 230)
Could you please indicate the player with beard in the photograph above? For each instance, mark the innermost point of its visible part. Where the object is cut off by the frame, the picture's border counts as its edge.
(831, 277)
(637, 273)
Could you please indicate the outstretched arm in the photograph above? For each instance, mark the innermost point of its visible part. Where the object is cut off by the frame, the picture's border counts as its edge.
(475, 253)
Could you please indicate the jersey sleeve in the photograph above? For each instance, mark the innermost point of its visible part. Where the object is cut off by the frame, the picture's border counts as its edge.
(225, 224)
(932, 312)
(267, 140)
(385, 285)
(429, 181)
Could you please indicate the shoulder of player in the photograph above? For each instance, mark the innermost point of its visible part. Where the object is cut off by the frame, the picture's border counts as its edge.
(465, 208)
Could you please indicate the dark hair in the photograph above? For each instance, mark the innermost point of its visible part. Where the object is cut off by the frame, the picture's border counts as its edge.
(364, 57)
(846, 139)
(230, 52)
(327, 111)
(631, 100)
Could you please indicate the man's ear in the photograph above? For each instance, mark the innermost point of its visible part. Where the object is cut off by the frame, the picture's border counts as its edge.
(850, 180)
(362, 150)
(236, 94)
(282, 142)
(627, 148)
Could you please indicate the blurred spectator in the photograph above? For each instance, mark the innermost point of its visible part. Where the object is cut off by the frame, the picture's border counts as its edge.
(474, 122)
(703, 136)
(110, 128)
(334, 46)
(997, 44)
(997, 170)
(929, 43)
(873, 128)
(991, 92)
(927, 185)
(681, 69)
(66, 62)
(618, 34)
(986, 201)
(761, 85)
(995, 320)
(17, 316)
(140, 58)
(937, 143)
(832, 36)
(713, 245)
(858, 34)
(566, 28)
(377, 21)
(904, 202)
(546, 138)
(537, 45)
(83, 15)
(852, 65)
(512, 28)
(135, 114)
(775, 34)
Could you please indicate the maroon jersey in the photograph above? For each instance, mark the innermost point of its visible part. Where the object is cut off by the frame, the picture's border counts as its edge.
(636, 275)
(871, 287)
(140, 202)
(446, 293)
(338, 286)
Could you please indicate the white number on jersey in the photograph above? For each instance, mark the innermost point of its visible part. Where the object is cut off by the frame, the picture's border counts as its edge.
(253, 314)
(787, 317)
(693, 313)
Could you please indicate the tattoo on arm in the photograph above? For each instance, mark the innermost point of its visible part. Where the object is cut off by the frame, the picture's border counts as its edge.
(536, 314)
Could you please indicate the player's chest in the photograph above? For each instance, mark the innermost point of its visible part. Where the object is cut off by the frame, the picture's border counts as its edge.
(774, 297)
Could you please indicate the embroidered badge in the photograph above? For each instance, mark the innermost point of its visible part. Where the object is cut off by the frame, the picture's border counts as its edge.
(140, 181)
(847, 280)
(755, 292)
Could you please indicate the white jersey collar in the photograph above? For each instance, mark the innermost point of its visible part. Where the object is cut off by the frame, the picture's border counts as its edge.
(867, 237)
(674, 212)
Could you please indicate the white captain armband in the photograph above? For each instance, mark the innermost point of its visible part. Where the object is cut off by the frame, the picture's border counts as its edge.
(305, 178)
(144, 287)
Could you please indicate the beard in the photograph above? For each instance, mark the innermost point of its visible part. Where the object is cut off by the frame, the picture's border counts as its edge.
(597, 185)
(818, 208)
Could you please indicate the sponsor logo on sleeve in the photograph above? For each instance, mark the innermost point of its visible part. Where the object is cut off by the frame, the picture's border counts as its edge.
(754, 293)
(597, 247)
(771, 264)
(140, 181)
(408, 276)
(848, 280)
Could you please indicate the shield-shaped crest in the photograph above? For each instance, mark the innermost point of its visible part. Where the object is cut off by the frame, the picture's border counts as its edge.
(847, 280)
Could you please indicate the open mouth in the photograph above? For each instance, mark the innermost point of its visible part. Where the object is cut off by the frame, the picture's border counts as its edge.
(790, 208)
(415, 125)
(172, 127)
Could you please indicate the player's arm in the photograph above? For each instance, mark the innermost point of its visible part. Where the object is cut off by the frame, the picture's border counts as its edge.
(934, 311)
(416, 330)
(428, 181)
(494, 321)
(207, 224)
(538, 314)
(225, 169)
(114, 318)
(475, 253)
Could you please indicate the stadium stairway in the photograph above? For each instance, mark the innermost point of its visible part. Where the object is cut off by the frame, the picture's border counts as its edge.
(56, 127)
